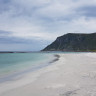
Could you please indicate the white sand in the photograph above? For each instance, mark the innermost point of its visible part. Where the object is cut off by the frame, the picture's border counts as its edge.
(72, 75)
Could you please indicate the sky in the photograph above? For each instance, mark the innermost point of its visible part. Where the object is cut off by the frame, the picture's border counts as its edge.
(31, 25)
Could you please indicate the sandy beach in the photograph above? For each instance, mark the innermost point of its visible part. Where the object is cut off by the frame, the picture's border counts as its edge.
(74, 74)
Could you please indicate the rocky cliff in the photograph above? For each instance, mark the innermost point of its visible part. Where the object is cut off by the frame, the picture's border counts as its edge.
(73, 42)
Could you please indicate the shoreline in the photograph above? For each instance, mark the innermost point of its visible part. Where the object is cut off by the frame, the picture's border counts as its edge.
(71, 75)
(15, 81)
(9, 77)
(56, 59)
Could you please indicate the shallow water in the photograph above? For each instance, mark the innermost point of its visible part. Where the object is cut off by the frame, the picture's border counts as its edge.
(11, 63)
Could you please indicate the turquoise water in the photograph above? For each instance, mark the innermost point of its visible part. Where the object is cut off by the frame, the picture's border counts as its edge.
(18, 64)
(13, 63)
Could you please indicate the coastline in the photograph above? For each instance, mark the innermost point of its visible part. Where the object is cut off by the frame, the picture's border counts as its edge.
(19, 77)
(50, 59)
(56, 59)
(68, 75)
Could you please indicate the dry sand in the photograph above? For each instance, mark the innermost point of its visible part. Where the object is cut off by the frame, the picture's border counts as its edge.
(72, 75)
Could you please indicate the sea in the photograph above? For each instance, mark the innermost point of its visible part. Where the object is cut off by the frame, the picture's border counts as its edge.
(17, 64)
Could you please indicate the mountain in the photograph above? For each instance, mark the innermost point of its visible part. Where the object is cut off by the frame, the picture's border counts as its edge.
(73, 42)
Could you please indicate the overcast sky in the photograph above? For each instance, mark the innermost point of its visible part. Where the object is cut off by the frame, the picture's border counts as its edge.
(30, 25)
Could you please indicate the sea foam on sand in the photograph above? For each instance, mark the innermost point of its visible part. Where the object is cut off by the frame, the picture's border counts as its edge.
(72, 75)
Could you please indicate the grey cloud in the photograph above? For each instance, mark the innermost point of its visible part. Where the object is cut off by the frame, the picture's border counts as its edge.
(17, 40)
(15, 43)
(88, 11)
(2, 32)
(6, 38)
(10, 40)
(4, 5)
(5, 1)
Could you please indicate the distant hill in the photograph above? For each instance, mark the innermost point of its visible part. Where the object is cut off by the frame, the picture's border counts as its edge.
(73, 42)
